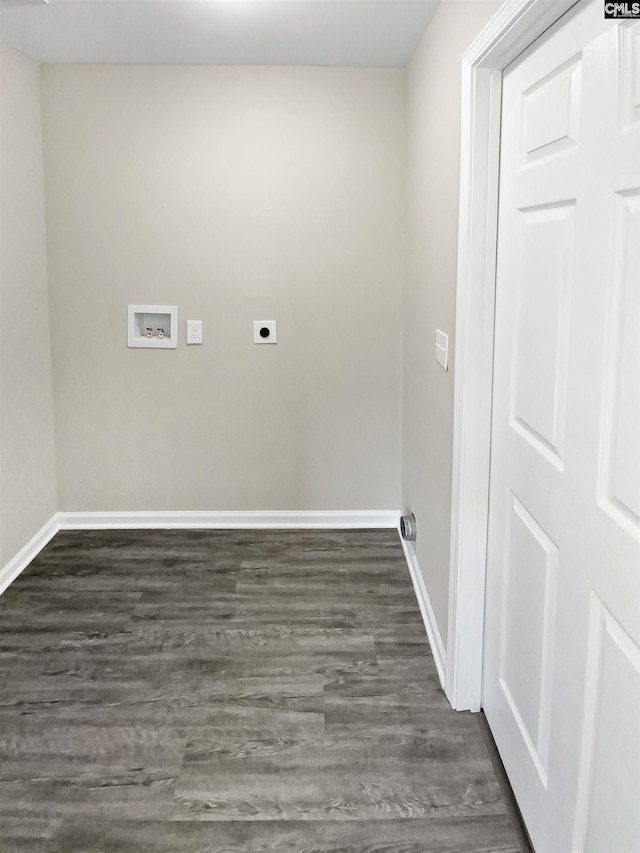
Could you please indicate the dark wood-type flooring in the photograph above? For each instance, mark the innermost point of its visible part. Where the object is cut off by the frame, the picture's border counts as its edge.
(192, 691)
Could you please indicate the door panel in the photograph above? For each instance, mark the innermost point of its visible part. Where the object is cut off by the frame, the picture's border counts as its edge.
(528, 622)
(540, 361)
(630, 53)
(551, 112)
(620, 491)
(562, 630)
(609, 766)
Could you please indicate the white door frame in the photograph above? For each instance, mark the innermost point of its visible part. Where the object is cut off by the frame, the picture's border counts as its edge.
(516, 25)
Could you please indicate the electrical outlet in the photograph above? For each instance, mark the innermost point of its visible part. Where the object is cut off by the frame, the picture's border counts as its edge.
(194, 331)
(265, 332)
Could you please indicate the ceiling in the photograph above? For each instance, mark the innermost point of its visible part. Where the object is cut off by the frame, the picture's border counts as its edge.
(218, 32)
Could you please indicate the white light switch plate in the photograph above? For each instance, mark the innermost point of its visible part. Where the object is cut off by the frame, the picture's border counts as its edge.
(442, 349)
(194, 331)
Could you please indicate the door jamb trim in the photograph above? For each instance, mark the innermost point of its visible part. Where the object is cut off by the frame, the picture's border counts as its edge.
(515, 26)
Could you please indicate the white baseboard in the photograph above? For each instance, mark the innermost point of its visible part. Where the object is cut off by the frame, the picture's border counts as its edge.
(281, 519)
(424, 603)
(15, 566)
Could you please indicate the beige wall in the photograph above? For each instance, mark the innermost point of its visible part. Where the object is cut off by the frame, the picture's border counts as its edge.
(27, 463)
(237, 194)
(433, 117)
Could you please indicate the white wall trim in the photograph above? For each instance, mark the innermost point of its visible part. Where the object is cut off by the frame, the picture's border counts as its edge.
(516, 25)
(281, 519)
(424, 603)
(11, 570)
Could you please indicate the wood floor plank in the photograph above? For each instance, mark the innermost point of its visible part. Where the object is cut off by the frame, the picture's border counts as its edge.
(468, 835)
(173, 690)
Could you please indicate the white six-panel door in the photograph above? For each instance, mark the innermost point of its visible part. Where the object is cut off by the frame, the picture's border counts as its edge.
(561, 685)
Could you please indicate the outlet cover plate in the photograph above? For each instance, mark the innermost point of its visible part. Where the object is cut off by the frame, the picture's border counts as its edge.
(265, 332)
(194, 331)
